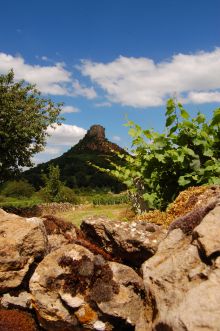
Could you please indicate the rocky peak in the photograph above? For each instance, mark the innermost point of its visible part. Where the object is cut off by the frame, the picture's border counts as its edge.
(96, 141)
(96, 132)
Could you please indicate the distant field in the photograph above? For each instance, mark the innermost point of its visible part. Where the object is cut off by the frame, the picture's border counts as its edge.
(119, 212)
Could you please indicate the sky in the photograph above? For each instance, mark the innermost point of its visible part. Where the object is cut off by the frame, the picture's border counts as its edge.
(113, 60)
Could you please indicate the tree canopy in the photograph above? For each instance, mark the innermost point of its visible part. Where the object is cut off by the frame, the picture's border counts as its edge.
(24, 118)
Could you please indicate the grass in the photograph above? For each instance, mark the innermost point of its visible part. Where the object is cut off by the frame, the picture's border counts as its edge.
(118, 212)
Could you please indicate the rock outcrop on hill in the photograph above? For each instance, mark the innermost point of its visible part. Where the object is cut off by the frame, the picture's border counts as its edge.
(77, 284)
(77, 164)
(96, 141)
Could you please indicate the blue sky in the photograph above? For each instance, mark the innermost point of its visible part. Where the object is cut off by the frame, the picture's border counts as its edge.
(108, 59)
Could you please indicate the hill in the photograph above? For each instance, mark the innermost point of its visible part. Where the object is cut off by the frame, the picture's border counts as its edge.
(76, 164)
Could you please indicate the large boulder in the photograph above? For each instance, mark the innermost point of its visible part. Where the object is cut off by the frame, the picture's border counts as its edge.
(131, 242)
(74, 289)
(182, 279)
(23, 241)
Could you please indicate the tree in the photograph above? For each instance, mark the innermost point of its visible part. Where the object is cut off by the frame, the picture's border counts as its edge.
(53, 183)
(24, 118)
(54, 190)
(186, 154)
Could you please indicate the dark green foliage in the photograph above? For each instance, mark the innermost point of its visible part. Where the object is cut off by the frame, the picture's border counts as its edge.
(24, 118)
(163, 164)
(110, 199)
(18, 189)
(77, 171)
(54, 190)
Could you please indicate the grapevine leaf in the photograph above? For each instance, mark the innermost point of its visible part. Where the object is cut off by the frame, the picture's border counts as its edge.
(170, 120)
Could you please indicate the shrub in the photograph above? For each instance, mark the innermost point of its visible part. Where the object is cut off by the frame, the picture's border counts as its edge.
(66, 194)
(163, 164)
(17, 189)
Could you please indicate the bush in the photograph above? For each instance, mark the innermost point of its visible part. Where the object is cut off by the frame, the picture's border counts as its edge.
(66, 194)
(186, 154)
(17, 189)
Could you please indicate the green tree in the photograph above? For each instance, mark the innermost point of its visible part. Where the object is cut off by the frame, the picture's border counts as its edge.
(186, 154)
(53, 184)
(54, 190)
(24, 118)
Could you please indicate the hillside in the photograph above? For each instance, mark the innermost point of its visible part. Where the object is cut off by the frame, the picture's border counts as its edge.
(76, 164)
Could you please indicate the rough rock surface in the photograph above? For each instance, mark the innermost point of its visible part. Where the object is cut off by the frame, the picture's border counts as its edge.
(21, 300)
(14, 320)
(182, 279)
(95, 140)
(132, 242)
(73, 289)
(22, 241)
(59, 232)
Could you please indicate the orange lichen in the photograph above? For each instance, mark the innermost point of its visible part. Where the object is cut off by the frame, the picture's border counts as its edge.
(86, 314)
(185, 202)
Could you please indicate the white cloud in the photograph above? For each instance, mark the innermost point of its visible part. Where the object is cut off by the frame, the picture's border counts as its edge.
(116, 138)
(204, 97)
(65, 134)
(69, 109)
(50, 79)
(79, 90)
(140, 82)
(62, 138)
(103, 104)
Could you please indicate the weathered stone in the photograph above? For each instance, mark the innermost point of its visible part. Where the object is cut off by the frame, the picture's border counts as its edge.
(182, 289)
(193, 218)
(13, 319)
(132, 243)
(22, 241)
(208, 232)
(22, 300)
(70, 283)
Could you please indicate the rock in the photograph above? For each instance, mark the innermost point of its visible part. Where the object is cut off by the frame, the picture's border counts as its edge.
(11, 320)
(59, 231)
(206, 233)
(74, 289)
(193, 218)
(22, 300)
(133, 242)
(181, 283)
(22, 241)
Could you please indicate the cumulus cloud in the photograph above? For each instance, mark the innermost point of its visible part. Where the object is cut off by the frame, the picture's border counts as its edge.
(65, 134)
(50, 79)
(140, 82)
(61, 138)
(69, 109)
(79, 90)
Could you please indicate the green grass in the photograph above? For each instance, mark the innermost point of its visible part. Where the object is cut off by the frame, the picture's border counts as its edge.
(118, 212)
(18, 203)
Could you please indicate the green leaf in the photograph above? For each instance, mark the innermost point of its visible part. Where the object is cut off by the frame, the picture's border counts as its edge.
(216, 117)
(184, 114)
(132, 132)
(200, 118)
(170, 120)
(170, 107)
(182, 181)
